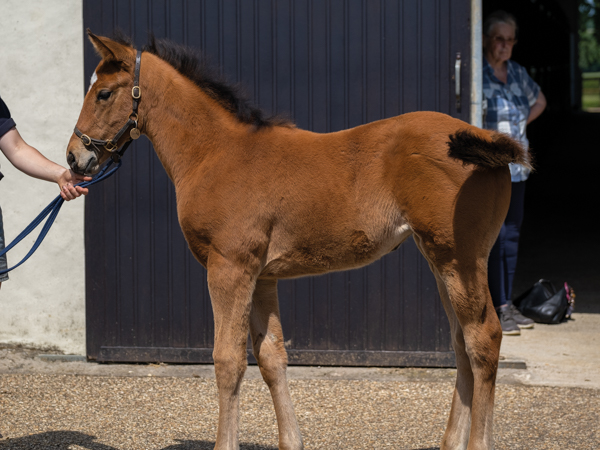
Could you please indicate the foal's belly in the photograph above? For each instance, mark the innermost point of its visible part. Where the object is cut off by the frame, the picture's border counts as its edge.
(355, 249)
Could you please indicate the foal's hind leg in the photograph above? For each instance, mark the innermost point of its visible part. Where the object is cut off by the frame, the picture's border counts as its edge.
(231, 287)
(472, 303)
(476, 336)
(459, 422)
(269, 350)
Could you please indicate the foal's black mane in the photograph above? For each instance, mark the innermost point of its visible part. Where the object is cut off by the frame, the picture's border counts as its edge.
(195, 66)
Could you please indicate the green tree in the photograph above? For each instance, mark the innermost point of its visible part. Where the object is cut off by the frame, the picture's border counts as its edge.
(589, 35)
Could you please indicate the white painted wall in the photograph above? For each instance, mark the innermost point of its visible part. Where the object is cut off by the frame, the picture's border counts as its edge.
(41, 81)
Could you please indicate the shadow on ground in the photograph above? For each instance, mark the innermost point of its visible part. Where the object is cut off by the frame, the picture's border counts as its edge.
(65, 440)
(60, 440)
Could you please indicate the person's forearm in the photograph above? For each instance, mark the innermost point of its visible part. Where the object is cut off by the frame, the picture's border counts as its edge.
(535, 112)
(537, 108)
(28, 160)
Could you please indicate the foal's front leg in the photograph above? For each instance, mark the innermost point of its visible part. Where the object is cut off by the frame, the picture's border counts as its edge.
(231, 287)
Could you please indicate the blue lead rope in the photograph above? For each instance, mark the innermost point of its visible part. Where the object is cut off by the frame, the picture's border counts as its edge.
(52, 211)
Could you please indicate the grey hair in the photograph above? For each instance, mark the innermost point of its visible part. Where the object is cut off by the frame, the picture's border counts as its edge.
(499, 17)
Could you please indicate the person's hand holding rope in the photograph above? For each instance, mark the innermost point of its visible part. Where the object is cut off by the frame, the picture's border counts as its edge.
(67, 184)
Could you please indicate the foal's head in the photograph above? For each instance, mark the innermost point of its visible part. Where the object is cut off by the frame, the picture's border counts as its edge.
(107, 107)
(108, 115)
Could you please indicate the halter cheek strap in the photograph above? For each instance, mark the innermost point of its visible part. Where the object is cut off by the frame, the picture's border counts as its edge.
(111, 145)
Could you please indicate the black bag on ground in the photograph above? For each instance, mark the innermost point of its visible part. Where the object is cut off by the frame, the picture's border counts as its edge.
(544, 304)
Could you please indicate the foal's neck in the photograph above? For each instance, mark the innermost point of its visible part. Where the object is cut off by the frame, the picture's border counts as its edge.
(183, 122)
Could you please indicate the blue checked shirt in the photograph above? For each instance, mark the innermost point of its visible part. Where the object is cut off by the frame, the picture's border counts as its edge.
(508, 106)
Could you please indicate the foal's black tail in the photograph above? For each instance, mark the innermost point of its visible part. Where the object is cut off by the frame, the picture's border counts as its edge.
(496, 151)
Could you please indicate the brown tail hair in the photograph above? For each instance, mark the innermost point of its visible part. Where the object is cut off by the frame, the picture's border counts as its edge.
(497, 151)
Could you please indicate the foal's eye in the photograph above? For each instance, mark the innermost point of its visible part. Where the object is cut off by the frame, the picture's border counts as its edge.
(104, 95)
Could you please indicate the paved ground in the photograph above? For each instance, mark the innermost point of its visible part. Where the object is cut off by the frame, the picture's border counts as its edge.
(558, 355)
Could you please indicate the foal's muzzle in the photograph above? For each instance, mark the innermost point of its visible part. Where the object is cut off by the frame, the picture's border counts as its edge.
(81, 160)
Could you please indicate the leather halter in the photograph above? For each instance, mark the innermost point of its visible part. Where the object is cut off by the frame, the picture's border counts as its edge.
(111, 145)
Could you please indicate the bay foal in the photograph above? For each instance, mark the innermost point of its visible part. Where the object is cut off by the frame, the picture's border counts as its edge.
(259, 199)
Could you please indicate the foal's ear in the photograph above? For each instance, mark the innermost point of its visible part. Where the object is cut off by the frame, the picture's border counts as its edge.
(109, 49)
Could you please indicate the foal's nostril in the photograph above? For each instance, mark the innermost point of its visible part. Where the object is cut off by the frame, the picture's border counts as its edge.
(70, 159)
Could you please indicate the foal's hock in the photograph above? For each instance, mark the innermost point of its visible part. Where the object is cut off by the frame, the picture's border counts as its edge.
(259, 199)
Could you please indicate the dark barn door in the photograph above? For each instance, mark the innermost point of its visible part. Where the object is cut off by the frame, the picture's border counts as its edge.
(328, 65)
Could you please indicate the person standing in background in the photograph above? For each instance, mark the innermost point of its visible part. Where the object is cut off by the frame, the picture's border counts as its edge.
(512, 101)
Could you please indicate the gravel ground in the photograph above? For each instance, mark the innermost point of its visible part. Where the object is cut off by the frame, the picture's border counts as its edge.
(74, 412)
(76, 405)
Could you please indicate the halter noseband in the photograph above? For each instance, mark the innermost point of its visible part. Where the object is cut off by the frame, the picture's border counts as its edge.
(111, 145)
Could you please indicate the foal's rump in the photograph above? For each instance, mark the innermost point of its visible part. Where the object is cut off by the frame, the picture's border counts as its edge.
(451, 181)
(440, 135)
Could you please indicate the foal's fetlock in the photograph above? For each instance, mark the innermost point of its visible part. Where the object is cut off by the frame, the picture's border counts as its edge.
(293, 442)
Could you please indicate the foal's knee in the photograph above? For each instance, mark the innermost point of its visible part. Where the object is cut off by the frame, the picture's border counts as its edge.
(271, 357)
(229, 368)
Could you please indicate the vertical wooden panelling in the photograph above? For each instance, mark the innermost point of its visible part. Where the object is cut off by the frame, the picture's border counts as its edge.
(328, 65)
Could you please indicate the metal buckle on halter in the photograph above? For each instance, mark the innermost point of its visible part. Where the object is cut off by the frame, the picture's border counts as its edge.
(83, 140)
(136, 90)
(111, 146)
(134, 133)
